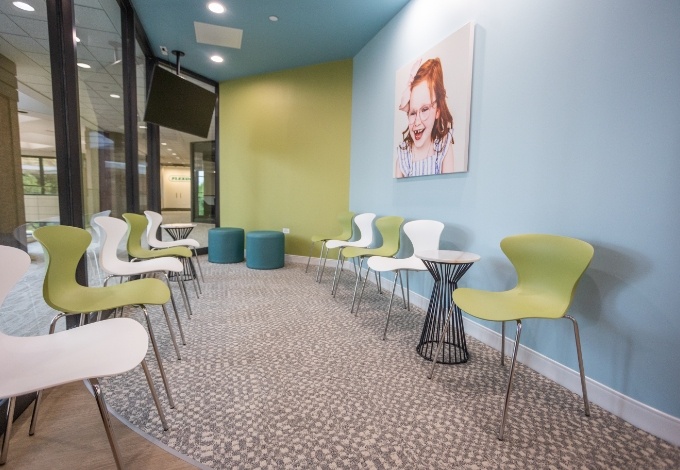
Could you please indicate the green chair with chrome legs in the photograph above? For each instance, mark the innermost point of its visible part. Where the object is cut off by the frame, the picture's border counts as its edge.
(389, 228)
(137, 234)
(549, 268)
(64, 246)
(346, 220)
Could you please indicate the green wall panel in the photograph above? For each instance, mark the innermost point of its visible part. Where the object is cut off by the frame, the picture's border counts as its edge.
(284, 151)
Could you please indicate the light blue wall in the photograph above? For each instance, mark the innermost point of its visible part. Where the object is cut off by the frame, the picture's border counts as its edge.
(575, 130)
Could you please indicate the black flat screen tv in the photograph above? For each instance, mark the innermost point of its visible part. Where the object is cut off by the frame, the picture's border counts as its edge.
(179, 104)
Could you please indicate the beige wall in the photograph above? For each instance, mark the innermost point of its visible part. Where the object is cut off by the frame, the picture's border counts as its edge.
(284, 151)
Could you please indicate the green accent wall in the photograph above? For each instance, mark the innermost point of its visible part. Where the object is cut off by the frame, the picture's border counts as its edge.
(284, 151)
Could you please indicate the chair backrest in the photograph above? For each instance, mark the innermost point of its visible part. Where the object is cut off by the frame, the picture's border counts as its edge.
(15, 264)
(154, 222)
(548, 264)
(424, 234)
(114, 231)
(364, 223)
(389, 228)
(63, 246)
(136, 234)
(96, 235)
(346, 220)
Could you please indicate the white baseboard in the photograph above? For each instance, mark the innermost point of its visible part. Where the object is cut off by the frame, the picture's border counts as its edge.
(638, 414)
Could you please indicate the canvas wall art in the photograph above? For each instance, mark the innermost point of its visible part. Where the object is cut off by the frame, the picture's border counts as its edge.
(432, 109)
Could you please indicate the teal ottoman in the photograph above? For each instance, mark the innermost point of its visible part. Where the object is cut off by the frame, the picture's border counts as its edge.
(265, 249)
(225, 245)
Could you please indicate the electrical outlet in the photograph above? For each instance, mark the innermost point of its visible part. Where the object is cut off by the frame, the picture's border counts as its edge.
(286, 230)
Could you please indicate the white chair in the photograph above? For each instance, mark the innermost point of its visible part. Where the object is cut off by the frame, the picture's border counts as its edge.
(364, 223)
(30, 364)
(424, 235)
(95, 245)
(155, 220)
(113, 232)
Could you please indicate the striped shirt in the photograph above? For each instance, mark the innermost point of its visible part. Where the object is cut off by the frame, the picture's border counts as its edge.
(432, 165)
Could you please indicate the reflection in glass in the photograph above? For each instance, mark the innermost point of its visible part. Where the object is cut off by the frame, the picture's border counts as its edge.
(101, 108)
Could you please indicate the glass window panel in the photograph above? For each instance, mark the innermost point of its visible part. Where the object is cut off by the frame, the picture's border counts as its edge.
(101, 107)
(28, 142)
(31, 175)
(140, 62)
(49, 171)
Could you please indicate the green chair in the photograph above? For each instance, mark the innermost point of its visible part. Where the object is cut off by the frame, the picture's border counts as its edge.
(137, 233)
(549, 268)
(64, 246)
(346, 220)
(389, 228)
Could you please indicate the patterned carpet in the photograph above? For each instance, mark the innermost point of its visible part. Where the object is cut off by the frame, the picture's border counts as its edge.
(279, 374)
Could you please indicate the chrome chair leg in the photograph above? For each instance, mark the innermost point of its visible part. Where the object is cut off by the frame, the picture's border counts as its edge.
(172, 332)
(158, 356)
(322, 268)
(107, 422)
(361, 294)
(154, 395)
(358, 280)
(174, 307)
(401, 284)
(580, 365)
(192, 272)
(34, 415)
(389, 310)
(502, 343)
(408, 294)
(185, 297)
(198, 263)
(338, 267)
(512, 373)
(8, 430)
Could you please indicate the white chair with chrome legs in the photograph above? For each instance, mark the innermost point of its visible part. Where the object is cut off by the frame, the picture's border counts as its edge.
(424, 235)
(113, 231)
(33, 363)
(155, 220)
(364, 223)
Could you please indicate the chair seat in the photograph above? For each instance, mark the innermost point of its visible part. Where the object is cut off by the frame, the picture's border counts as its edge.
(163, 264)
(330, 244)
(383, 251)
(99, 349)
(171, 244)
(179, 251)
(382, 264)
(92, 299)
(510, 305)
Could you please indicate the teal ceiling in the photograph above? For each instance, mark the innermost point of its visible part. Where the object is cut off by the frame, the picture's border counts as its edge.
(307, 32)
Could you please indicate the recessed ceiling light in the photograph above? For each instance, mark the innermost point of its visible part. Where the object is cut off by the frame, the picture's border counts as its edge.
(216, 7)
(83, 66)
(174, 153)
(217, 59)
(142, 127)
(113, 95)
(274, 18)
(77, 39)
(163, 143)
(24, 6)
